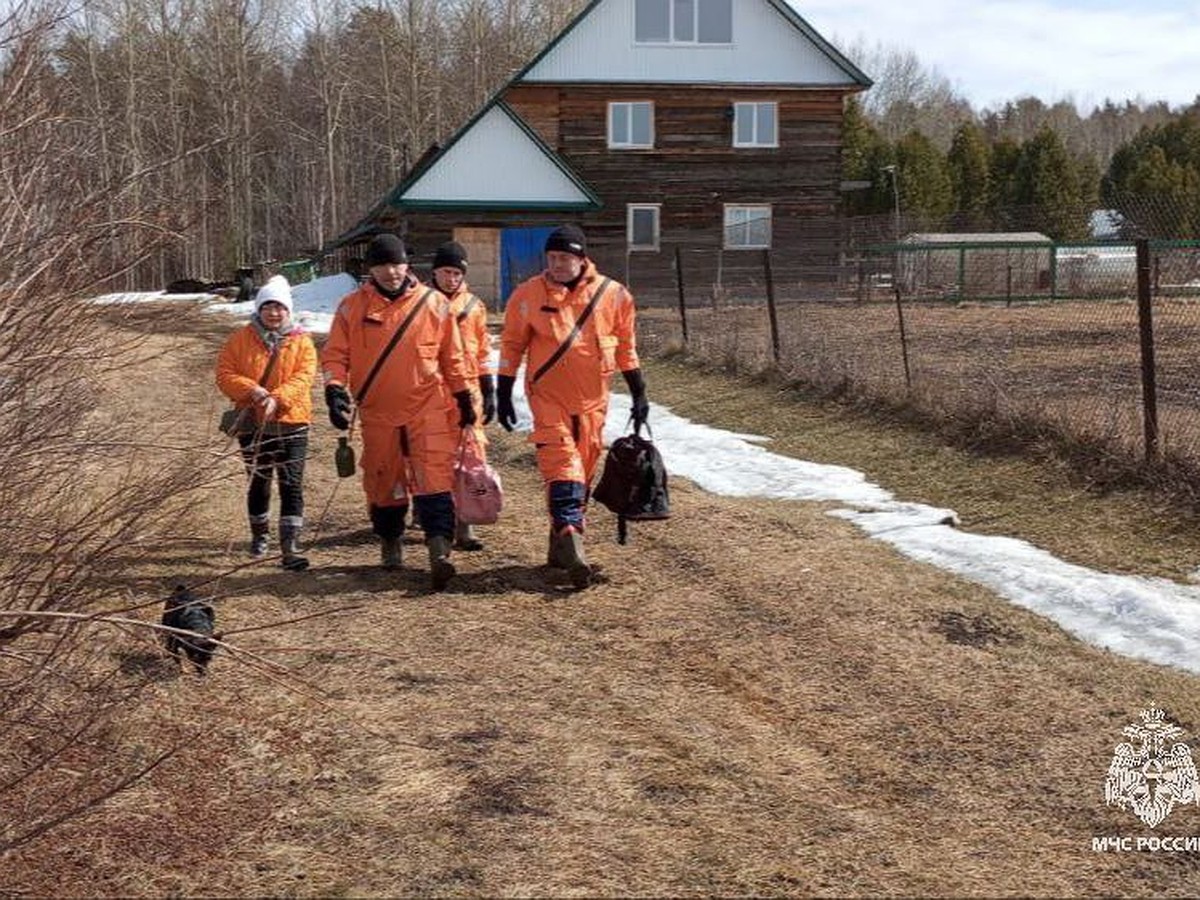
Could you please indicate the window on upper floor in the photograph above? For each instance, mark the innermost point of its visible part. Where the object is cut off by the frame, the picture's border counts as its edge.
(631, 125)
(747, 227)
(642, 225)
(755, 124)
(683, 21)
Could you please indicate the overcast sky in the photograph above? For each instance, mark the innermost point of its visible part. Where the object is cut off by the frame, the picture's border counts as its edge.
(997, 50)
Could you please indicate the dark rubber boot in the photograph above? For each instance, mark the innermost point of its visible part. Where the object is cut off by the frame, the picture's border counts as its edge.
(260, 541)
(441, 570)
(568, 549)
(390, 553)
(464, 538)
(289, 543)
(553, 559)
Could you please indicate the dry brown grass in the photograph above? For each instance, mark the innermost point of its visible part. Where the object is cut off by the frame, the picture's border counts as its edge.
(755, 700)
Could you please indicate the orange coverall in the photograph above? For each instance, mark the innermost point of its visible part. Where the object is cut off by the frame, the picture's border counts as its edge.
(470, 314)
(409, 418)
(570, 401)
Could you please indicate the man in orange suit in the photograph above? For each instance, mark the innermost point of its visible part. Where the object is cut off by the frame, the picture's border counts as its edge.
(411, 399)
(573, 327)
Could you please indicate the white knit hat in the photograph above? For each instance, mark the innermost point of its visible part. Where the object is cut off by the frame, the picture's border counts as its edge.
(276, 290)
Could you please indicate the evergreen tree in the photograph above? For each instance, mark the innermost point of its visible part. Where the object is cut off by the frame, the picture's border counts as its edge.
(1002, 184)
(926, 193)
(864, 153)
(1154, 180)
(1048, 182)
(969, 164)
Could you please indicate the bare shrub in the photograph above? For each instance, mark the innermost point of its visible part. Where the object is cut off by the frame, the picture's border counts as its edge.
(76, 494)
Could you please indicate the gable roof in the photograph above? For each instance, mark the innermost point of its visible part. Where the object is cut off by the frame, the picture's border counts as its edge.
(496, 140)
(977, 237)
(585, 51)
(431, 186)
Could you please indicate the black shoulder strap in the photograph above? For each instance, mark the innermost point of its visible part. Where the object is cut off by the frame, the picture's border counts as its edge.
(391, 345)
(466, 310)
(272, 355)
(579, 323)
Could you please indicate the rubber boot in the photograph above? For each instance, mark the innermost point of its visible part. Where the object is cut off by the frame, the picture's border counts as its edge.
(553, 558)
(568, 546)
(464, 537)
(259, 539)
(441, 570)
(289, 543)
(390, 555)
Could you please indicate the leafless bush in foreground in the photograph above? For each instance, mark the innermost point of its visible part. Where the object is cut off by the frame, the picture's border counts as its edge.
(76, 495)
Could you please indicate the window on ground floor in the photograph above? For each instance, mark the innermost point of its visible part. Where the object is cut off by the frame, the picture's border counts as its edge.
(747, 227)
(642, 225)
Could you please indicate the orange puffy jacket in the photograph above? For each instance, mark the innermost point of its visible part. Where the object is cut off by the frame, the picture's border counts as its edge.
(538, 317)
(420, 373)
(243, 360)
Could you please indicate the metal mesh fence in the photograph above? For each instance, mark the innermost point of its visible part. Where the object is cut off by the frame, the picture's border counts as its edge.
(1013, 331)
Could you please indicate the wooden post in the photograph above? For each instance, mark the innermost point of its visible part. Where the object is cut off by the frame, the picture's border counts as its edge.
(1053, 271)
(1146, 330)
(771, 304)
(679, 288)
(962, 273)
(903, 338)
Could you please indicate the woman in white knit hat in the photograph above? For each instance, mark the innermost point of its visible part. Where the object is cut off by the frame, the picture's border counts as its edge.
(267, 369)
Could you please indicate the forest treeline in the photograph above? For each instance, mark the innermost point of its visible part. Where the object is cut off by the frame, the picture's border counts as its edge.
(224, 132)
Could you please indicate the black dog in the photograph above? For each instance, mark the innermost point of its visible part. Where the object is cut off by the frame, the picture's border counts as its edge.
(186, 611)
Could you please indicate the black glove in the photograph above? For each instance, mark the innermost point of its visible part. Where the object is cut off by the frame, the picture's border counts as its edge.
(637, 389)
(507, 416)
(337, 398)
(487, 387)
(466, 411)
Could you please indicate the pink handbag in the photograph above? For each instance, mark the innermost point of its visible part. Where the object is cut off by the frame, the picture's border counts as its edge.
(478, 494)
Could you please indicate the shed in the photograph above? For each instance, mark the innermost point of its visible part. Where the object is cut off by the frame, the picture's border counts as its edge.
(979, 265)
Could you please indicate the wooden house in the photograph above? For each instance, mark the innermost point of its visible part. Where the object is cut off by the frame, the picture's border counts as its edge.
(652, 124)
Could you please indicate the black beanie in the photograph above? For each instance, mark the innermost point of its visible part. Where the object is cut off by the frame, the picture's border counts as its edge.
(384, 249)
(450, 254)
(567, 239)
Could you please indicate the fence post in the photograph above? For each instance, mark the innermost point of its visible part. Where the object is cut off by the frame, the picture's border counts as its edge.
(679, 287)
(1053, 271)
(903, 338)
(1146, 330)
(962, 273)
(771, 304)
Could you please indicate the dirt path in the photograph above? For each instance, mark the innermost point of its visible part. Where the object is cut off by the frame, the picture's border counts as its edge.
(756, 700)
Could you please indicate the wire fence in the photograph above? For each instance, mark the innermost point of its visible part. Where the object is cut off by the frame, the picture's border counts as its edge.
(1088, 338)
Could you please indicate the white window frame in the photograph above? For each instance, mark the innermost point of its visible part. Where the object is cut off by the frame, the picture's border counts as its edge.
(752, 108)
(745, 211)
(629, 144)
(671, 39)
(630, 209)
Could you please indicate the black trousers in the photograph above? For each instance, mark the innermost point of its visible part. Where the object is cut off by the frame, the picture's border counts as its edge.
(268, 454)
